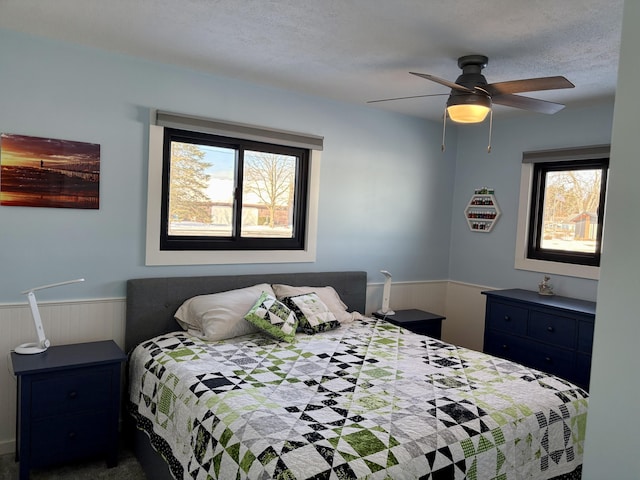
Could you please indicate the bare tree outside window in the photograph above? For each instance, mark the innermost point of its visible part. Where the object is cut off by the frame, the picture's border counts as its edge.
(570, 215)
(269, 182)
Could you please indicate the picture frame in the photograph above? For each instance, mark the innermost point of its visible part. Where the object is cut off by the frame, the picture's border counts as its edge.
(48, 172)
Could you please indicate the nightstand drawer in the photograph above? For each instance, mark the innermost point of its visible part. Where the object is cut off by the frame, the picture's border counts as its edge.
(508, 317)
(553, 329)
(62, 438)
(71, 392)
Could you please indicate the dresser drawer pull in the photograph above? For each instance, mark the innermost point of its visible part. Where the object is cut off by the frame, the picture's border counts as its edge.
(507, 318)
(550, 329)
(73, 394)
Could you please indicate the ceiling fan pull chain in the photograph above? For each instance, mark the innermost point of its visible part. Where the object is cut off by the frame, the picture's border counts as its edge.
(490, 128)
(444, 128)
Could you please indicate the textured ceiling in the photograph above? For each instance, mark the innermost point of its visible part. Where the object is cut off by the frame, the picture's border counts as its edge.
(350, 50)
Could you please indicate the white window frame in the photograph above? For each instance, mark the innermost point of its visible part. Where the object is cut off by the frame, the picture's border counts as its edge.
(155, 256)
(524, 211)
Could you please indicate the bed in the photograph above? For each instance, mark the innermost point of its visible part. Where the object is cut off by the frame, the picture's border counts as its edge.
(366, 399)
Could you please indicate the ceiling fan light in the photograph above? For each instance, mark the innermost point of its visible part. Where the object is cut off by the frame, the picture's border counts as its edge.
(468, 108)
(468, 113)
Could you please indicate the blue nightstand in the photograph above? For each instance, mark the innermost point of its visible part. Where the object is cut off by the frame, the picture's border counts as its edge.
(418, 321)
(68, 404)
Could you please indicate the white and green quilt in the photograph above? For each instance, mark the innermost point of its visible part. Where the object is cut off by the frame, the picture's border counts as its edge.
(365, 400)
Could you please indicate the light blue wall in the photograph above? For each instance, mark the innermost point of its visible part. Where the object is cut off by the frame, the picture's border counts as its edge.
(389, 198)
(386, 189)
(488, 258)
(613, 424)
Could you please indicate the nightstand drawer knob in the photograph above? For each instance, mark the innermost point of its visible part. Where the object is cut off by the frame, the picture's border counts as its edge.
(505, 347)
(72, 435)
(550, 328)
(548, 359)
(507, 318)
(73, 394)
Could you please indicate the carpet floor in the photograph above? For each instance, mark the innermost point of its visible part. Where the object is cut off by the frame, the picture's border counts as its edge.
(128, 468)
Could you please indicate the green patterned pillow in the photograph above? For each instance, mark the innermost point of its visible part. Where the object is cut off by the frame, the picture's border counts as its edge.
(313, 315)
(273, 317)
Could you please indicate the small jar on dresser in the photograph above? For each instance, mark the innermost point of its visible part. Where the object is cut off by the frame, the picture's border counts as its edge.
(550, 333)
(68, 400)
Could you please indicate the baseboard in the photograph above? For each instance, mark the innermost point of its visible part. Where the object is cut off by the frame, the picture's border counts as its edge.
(7, 447)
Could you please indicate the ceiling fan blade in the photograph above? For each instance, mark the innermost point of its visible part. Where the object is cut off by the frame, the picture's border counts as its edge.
(442, 81)
(528, 85)
(404, 98)
(527, 103)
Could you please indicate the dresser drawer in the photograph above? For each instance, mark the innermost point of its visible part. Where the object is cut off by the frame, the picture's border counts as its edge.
(583, 370)
(549, 359)
(553, 329)
(58, 439)
(505, 346)
(585, 336)
(507, 317)
(546, 358)
(71, 391)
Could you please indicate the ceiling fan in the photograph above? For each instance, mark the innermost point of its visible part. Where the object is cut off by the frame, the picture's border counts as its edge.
(471, 96)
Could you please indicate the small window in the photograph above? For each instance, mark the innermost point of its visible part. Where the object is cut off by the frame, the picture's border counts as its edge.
(223, 193)
(561, 211)
(567, 211)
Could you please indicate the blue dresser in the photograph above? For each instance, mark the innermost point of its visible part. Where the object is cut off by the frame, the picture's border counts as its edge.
(549, 333)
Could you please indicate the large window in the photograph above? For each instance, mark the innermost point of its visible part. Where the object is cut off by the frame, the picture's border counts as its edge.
(228, 193)
(562, 206)
(222, 193)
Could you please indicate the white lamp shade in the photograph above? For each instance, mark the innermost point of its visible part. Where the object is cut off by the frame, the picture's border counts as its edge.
(468, 113)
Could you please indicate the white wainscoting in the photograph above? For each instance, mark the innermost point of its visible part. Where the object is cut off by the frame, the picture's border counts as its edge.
(92, 320)
(64, 323)
(461, 303)
(465, 307)
(429, 296)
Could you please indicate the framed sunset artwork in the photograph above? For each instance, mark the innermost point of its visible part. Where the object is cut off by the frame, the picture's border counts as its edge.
(48, 172)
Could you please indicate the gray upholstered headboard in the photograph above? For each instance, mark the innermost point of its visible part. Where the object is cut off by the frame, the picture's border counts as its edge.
(151, 302)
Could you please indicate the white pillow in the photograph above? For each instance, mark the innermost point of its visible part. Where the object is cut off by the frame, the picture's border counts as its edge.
(219, 316)
(328, 295)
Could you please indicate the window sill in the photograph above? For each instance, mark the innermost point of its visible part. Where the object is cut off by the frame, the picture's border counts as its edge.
(557, 268)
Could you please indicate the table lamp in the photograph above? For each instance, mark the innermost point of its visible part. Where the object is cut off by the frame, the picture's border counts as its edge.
(386, 294)
(43, 343)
